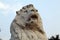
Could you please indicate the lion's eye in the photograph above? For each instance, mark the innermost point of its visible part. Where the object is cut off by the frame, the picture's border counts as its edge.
(32, 10)
(36, 10)
(25, 11)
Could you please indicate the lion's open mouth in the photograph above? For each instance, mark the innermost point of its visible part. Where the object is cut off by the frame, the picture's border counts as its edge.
(34, 16)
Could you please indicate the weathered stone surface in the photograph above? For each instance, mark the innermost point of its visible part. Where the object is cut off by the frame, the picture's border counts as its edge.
(27, 25)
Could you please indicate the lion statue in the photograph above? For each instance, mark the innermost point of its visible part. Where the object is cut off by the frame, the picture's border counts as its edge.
(27, 25)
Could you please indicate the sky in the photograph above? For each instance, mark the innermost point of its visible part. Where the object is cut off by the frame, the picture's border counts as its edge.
(49, 10)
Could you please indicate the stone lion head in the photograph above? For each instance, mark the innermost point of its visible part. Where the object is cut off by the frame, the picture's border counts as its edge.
(28, 17)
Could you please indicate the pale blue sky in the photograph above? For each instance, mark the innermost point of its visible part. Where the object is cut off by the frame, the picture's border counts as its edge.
(48, 9)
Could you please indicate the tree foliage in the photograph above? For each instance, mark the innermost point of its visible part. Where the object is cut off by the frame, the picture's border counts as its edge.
(54, 38)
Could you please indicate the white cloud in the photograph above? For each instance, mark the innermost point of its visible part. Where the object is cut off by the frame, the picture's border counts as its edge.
(3, 6)
(7, 8)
